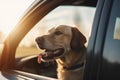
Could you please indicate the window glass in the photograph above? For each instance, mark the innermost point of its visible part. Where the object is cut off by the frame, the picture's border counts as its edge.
(80, 17)
(10, 13)
(117, 29)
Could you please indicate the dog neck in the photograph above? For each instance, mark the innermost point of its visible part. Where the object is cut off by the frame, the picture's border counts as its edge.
(71, 66)
(74, 67)
(72, 61)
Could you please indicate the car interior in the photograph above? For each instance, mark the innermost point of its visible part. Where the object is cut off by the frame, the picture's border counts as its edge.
(20, 51)
(30, 50)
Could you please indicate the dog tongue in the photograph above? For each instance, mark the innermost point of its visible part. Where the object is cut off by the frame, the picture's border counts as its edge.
(39, 58)
(45, 55)
(48, 55)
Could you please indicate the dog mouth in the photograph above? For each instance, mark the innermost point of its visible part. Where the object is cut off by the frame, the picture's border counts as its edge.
(49, 55)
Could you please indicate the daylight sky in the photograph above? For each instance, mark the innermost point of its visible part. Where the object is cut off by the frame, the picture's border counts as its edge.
(10, 13)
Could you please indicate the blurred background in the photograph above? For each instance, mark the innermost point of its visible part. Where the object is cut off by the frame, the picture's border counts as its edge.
(80, 17)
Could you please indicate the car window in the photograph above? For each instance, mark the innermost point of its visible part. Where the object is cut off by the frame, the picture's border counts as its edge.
(78, 16)
(10, 14)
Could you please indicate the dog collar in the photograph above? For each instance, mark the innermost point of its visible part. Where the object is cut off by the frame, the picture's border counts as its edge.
(74, 67)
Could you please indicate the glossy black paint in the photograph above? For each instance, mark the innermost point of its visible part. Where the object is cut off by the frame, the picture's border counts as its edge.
(103, 53)
(111, 53)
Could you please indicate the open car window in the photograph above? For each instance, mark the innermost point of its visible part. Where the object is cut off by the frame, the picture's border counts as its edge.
(80, 17)
(10, 14)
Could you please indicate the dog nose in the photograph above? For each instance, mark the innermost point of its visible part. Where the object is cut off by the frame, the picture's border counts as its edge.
(40, 41)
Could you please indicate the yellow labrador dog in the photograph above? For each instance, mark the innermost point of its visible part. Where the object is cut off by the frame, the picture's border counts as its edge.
(65, 44)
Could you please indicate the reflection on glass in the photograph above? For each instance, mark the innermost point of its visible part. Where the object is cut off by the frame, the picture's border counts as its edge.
(117, 29)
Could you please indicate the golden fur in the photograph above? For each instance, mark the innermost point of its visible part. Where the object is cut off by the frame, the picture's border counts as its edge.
(72, 41)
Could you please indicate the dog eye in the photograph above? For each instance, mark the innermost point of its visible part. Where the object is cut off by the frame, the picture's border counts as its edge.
(58, 33)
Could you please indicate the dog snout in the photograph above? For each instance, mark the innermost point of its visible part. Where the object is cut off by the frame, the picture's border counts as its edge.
(40, 41)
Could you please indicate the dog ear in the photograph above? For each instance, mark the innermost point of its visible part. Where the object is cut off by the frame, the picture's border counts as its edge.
(78, 39)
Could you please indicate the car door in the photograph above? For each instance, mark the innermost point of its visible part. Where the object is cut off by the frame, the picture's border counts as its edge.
(110, 68)
(103, 54)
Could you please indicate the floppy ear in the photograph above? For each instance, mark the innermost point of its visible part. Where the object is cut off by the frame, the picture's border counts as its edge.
(78, 39)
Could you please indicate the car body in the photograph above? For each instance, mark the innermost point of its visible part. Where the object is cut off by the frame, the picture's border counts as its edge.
(103, 49)
(102, 62)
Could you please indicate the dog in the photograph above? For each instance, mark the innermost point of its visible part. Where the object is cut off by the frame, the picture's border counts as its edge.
(66, 45)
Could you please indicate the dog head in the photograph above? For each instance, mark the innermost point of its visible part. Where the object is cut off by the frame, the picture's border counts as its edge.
(59, 42)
